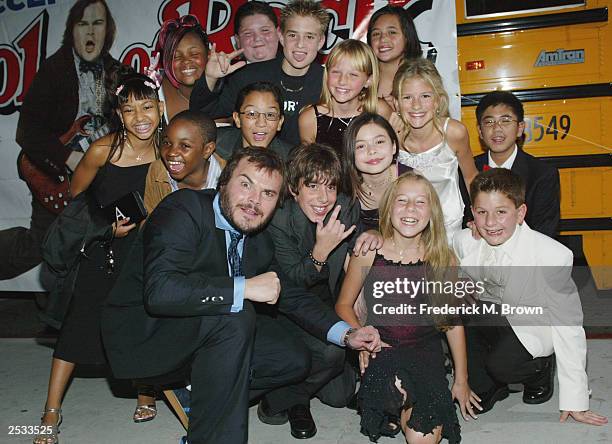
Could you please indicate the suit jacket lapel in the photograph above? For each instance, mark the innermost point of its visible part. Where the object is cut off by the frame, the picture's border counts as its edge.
(218, 238)
(520, 165)
(521, 270)
(248, 265)
(481, 160)
(256, 254)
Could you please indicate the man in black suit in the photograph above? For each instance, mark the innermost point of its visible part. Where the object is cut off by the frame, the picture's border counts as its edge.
(501, 123)
(206, 267)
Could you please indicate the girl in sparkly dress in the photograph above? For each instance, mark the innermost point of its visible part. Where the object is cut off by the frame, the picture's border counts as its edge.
(407, 380)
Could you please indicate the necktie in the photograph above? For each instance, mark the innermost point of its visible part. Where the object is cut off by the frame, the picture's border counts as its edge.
(95, 67)
(493, 280)
(232, 254)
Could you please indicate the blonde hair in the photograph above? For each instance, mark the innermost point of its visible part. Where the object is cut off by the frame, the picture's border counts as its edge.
(439, 257)
(305, 8)
(363, 59)
(425, 70)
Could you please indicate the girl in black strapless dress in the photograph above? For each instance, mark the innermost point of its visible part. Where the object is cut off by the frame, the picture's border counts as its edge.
(112, 167)
(407, 381)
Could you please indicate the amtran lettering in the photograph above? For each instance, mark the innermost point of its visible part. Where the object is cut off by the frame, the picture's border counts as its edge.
(560, 57)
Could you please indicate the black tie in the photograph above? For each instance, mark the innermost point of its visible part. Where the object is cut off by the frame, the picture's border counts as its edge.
(233, 256)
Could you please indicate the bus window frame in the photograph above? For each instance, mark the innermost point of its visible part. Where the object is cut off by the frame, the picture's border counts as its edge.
(577, 4)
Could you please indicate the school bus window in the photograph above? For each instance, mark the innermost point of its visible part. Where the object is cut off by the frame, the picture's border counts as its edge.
(486, 7)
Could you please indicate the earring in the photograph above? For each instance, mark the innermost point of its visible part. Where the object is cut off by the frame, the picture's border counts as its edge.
(123, 131)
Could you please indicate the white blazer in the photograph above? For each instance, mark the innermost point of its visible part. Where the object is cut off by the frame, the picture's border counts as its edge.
(543, 280)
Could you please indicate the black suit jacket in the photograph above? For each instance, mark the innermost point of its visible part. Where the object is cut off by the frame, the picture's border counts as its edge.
(176, 278)
(294, 237)
(49, 109)
(542, 191)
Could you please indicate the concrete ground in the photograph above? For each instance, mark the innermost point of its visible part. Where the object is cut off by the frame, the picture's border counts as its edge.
(96, 411)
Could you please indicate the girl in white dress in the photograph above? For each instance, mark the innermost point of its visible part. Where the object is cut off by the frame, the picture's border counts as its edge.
(431, 141)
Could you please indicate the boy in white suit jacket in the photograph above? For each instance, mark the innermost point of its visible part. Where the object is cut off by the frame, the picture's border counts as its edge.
(520, 267)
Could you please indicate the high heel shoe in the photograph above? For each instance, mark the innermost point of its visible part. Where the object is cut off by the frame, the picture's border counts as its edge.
(145, 412)
(48, 433)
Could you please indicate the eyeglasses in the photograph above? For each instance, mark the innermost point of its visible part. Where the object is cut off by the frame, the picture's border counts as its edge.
(254, 115)
(502, 122)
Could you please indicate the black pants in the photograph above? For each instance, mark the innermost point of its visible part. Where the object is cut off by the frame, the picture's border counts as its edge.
(327, 363)
(495, 354)
(236, 353)
(20, 247)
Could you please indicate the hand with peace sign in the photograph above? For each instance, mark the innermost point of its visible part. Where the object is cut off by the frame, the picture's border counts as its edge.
(219, 65)
(329, 236)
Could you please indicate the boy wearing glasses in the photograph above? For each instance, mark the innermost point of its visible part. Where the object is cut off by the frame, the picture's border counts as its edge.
(258, 116)
(500, 125)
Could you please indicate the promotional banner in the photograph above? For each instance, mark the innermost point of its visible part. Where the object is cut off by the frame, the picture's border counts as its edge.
(32, 30)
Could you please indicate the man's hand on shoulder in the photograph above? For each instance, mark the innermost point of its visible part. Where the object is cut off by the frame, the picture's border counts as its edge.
(263, 288)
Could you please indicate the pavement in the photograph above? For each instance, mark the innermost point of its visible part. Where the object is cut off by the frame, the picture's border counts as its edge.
(98, 409)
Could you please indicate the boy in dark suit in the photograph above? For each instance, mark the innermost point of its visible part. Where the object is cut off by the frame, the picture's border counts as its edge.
(501, 124)
(313, 234)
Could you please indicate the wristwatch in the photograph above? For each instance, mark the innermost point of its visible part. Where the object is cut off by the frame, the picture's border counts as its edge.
(349, 332)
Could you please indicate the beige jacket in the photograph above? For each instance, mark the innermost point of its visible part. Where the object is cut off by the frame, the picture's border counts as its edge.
(157, 184)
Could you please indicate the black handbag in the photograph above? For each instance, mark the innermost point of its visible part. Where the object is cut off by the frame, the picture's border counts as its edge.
(131, 205)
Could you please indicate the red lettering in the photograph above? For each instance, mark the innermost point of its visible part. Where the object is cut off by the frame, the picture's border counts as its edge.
(9, 60)
(136, 56)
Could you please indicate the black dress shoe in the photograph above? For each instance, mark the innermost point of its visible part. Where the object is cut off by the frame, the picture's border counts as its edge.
(491, 396)
(302, 424)
(264, 415)
(542, 390)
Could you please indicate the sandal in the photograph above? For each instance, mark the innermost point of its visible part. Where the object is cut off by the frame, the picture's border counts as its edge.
(144, 413)
(48, 433)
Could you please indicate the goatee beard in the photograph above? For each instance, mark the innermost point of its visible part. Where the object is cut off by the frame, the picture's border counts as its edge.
(226, 211)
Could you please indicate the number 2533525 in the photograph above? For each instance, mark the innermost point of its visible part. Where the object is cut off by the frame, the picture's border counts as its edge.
(29, 429)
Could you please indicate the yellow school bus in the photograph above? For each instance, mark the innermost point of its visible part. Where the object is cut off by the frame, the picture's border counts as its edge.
(554, 55)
